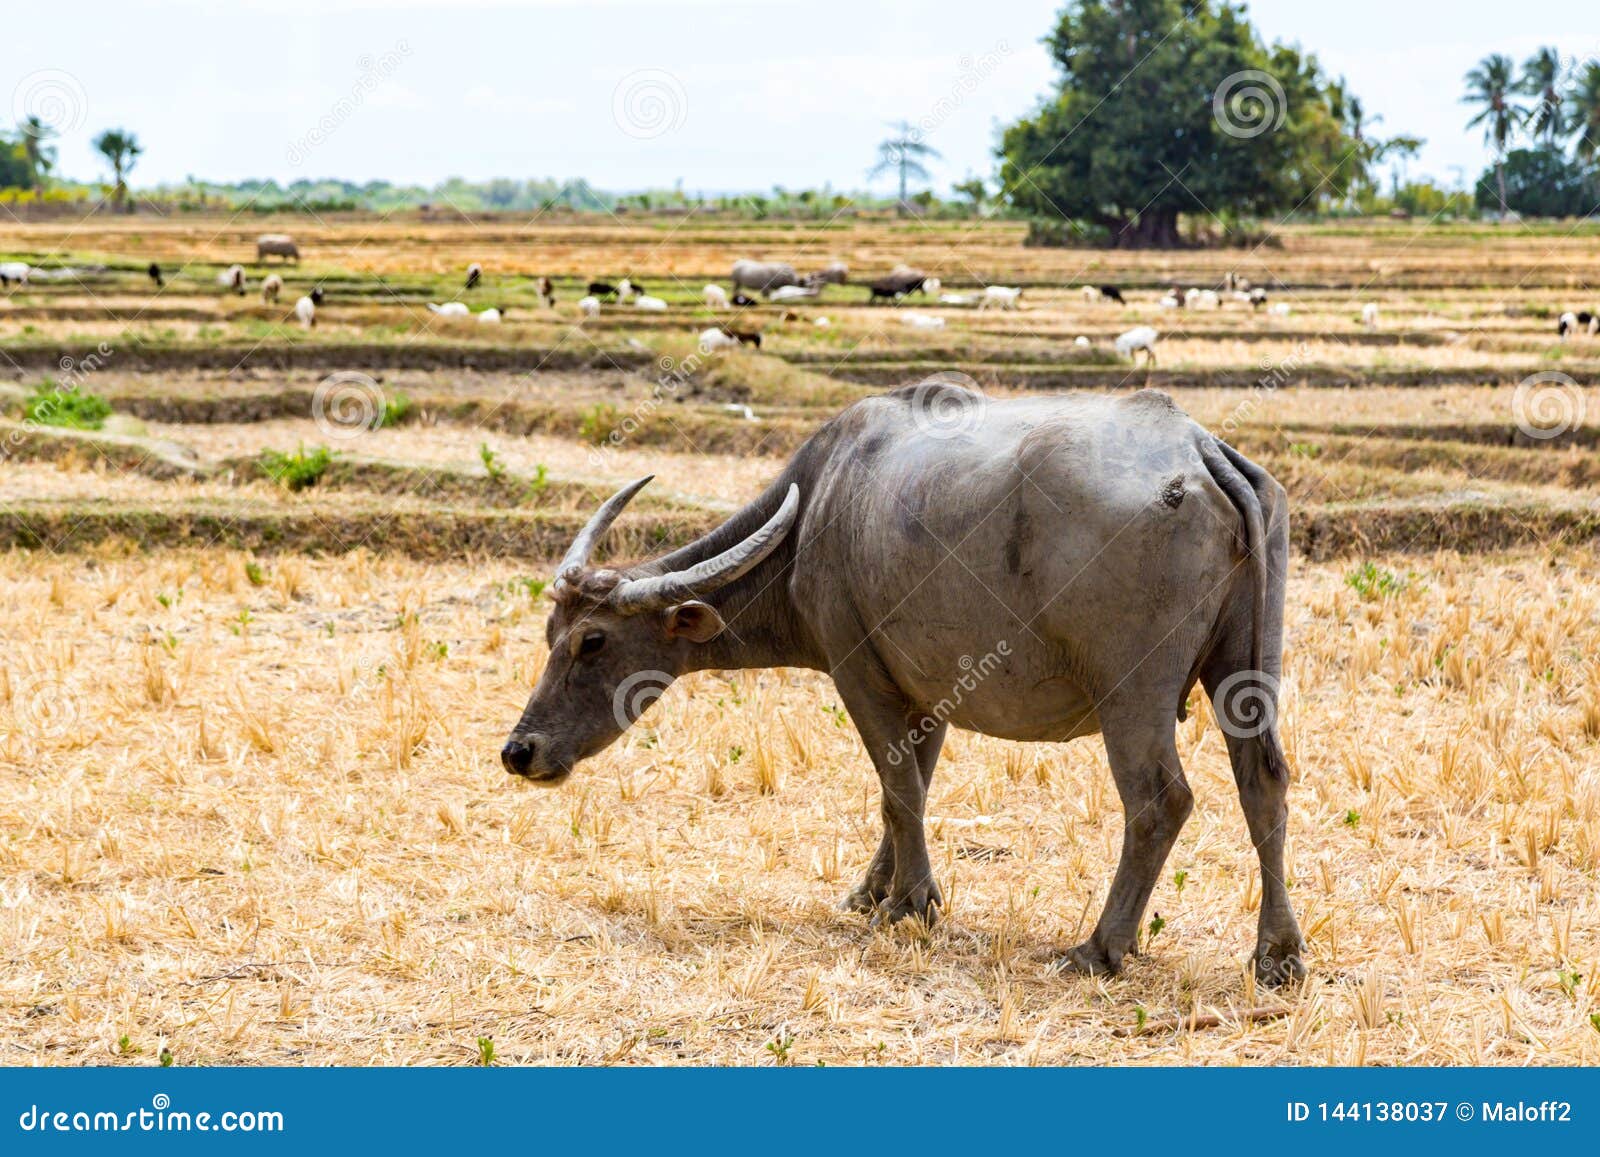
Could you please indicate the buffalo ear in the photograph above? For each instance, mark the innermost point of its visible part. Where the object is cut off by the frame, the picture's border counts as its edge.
(698, 622)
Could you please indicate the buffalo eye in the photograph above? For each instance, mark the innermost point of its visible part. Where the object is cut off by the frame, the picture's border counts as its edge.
(591, 644)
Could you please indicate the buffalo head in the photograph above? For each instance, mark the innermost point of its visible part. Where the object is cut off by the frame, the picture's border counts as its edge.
(617, 642)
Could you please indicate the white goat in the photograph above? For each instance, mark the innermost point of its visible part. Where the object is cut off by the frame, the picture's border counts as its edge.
(649, 304)
(490, 316)
(1140, 337)
(624, 290)
(1080, 341)
(716, 339)
(450, 309)
(1369, 315)
(14, 271)
(271, 286)
(232, 278)
(1000, 296)
(305, 311)
(1279, 309)
(922, 321)
(1204, 299)
(716, 297)
(589, 306)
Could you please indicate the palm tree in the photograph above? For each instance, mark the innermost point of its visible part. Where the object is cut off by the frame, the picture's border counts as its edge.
(1491, 86)
(1583, 111)
(1540, 78)
(121, 149)
(904, 152)
(41, 156)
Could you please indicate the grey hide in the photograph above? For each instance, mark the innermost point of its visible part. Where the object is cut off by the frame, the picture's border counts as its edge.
(1037, 569)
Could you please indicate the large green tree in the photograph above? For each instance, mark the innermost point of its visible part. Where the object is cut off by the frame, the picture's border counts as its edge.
(1168, 108)
(1541, 182)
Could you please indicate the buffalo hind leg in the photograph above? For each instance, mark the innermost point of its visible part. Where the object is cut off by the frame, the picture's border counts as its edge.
(1156, 800)
(1247, 715)
(883, 717)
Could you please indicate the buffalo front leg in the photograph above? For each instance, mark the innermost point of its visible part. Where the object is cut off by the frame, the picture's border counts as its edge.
(900, 883)
(873, 891)
(1156, 801)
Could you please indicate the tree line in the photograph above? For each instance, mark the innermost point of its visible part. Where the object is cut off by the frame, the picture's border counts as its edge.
(1552, 106)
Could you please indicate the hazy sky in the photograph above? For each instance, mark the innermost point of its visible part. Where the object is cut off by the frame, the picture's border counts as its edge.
(722, 94)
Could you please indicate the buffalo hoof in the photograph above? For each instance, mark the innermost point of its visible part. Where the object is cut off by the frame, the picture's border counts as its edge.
(1090, 959)
(865, 897)
(923, 903)
(1278, 965)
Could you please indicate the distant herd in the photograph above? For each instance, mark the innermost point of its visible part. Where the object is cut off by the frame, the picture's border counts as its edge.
(779, 282)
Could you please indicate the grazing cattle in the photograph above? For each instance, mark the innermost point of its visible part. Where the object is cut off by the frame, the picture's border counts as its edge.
(1570, 323)
(835, 273)
(17, 271)
(763, 276)
(861, 561)
(898, 284)
(277, 245)
(1140, 337)
(154, 274)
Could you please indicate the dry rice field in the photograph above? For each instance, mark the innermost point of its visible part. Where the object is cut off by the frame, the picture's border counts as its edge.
(251, 806)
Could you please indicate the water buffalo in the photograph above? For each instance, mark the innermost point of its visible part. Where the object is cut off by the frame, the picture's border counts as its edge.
(1101, 555)
(763, 276)
(277, 245)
